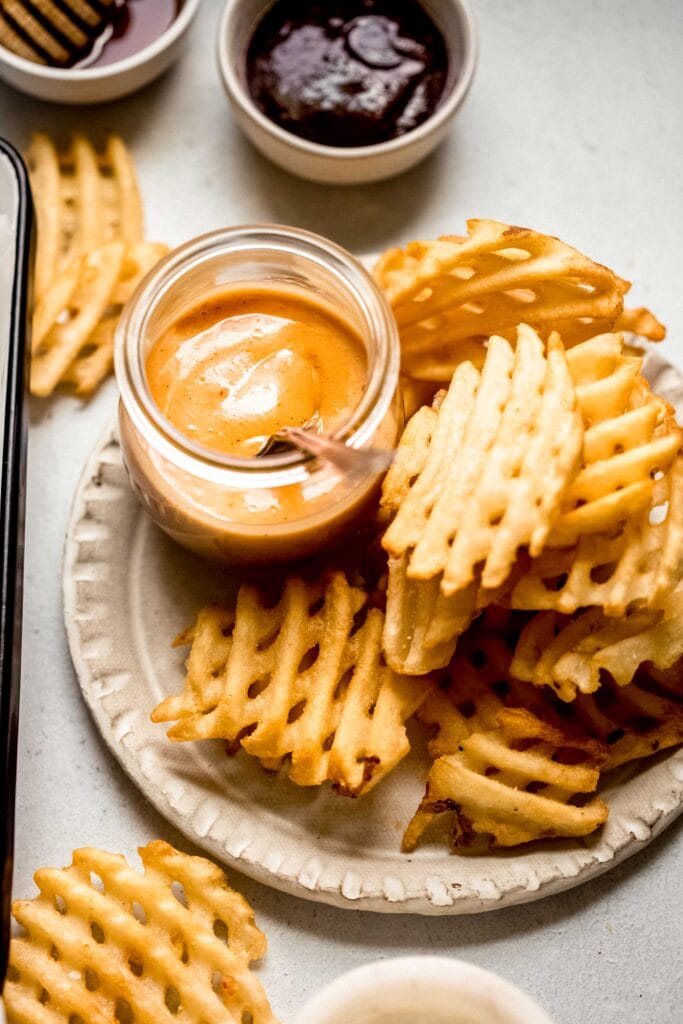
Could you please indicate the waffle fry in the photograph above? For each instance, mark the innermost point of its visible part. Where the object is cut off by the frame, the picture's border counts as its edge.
(303, 680)
(642, 322)
(146, 947)
(421, 626)
(630, 721)
(95, 282)
(504, 448)
(520, 782)
(630, 438)
(95, 360)
(635, 566)
(409, 461)
(450, 295)
(570, 654)
(90, 257)
(84, 200)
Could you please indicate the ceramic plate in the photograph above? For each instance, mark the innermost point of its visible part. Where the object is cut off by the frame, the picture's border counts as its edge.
(128, 590)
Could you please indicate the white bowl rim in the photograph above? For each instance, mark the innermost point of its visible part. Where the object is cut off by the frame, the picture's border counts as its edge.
(119, 67)
(440, 116)
(450, 972)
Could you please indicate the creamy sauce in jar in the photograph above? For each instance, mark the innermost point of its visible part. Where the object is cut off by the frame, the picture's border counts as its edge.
(233, 371)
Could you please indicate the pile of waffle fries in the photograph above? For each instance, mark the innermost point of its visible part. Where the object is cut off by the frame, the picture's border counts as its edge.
(90, 257)
(529, 613)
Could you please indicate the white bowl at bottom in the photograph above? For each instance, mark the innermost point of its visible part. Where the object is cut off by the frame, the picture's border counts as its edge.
(421, 990)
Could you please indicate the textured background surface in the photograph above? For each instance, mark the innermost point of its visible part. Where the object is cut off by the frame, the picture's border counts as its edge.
(574, 125)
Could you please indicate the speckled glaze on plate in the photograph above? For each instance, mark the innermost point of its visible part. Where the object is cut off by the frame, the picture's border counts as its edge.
(128, 590)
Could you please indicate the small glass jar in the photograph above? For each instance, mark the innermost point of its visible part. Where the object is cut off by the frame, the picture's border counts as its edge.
(278, 507)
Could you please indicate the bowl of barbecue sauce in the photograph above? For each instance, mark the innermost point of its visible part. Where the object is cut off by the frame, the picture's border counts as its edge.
(346, 91)
(90, 51)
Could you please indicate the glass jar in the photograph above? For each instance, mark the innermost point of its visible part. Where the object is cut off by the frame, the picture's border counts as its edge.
(233, 509)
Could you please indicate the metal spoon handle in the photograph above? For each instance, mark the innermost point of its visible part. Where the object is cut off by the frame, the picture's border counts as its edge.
(352, 460)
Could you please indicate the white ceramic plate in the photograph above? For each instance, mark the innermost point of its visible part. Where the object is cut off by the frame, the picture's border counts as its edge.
(128, 590)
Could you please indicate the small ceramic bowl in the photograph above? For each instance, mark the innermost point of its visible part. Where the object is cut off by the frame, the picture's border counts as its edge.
(431, 990)
(99, 84)
(344, 165)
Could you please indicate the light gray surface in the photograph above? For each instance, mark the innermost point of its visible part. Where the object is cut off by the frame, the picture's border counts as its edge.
(574, 125)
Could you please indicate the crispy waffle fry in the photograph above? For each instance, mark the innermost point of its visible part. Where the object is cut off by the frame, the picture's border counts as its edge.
(637, 720)
(421, 626)
(452, 294)
(570, 654)
(635, 566)
(95, 360)
(303, 679)
(520, 782)
(630, 721)
(53, 354)
(83, 201)
(103, 942)
(630, 437)
(642, 322)
(89, 260)
(504, 448)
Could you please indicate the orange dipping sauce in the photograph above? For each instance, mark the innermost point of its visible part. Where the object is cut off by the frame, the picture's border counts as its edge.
(235, 369)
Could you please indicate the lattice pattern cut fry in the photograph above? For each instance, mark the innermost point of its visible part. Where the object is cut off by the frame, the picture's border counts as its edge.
(501, 453)
(634, 566)
(630, 438)
(103, 942)
(84, 199)
(90, 257)
(520, 782)
(303, 680)
(636, 720)
(616, 725)
(570, 654)
(451, 294)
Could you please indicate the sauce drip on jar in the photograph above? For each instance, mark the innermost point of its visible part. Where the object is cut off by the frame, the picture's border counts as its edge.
(349, 72)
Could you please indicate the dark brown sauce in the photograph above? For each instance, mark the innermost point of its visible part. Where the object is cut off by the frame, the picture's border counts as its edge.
(137, 24)
(347, 72)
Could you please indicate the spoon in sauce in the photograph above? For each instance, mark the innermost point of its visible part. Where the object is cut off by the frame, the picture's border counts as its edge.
(355, 461)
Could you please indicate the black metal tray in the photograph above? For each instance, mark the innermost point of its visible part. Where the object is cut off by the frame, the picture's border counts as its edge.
(16, 214)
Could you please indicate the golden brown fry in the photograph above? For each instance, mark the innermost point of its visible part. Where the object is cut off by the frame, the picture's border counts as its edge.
(421, 626)
(88, 210)
(124, 205)
(630, 438)
(104, 942)
(502, 452)
(476, 698)
(642, 322)
(514, 784)
(303, 679)
(95, 361)
(409, 460)
(637, 720)
(635, 566)
(451, 294)
(99, 273)
(570, 654)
